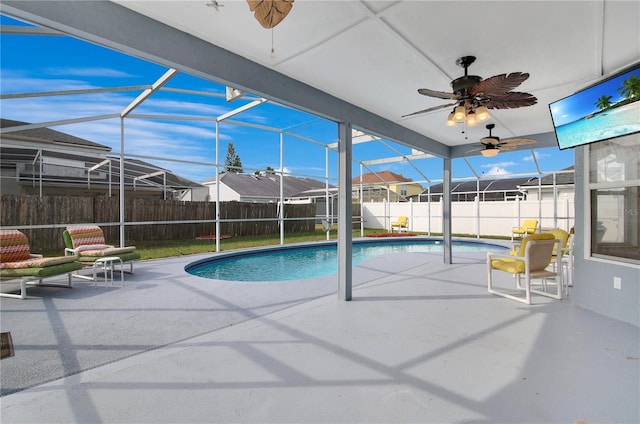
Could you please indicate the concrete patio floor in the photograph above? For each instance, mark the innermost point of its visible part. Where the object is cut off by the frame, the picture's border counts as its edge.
(420, 342)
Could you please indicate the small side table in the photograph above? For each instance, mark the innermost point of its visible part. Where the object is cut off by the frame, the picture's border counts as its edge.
(107, 266)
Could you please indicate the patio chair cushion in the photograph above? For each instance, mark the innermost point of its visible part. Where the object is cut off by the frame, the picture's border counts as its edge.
(14, 246)
(82, 235)
(514, 265)
(510, 265)
(88, 242)
(44, 271)
(38, 262)
(106, 251)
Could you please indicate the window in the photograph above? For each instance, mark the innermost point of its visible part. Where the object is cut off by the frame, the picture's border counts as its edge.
(614, 188)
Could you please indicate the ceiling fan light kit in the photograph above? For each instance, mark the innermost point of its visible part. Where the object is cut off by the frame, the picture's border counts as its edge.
(473, 95)
(490, 151)
(492, 145)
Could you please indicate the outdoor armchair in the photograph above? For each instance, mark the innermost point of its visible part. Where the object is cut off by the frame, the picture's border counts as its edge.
(402, 224)
(88, 243)
(529, 226)
(17, 261)
(532, 262)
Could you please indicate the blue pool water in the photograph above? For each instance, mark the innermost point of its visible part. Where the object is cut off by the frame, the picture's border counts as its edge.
(302, 262)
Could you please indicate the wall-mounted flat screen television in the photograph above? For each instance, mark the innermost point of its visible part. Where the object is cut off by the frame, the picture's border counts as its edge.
(608, 109)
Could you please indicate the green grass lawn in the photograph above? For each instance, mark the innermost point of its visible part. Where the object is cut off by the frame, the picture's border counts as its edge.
(168, 248)
(155, 249)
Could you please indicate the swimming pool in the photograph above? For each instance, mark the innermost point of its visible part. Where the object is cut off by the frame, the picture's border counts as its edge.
(285, 263)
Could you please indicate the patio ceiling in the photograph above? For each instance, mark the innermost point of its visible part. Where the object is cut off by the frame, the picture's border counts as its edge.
(373, 54)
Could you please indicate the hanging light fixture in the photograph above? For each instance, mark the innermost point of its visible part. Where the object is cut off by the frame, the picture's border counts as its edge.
(482, 114)
(451, 121)
(468, 113)
(490, 151)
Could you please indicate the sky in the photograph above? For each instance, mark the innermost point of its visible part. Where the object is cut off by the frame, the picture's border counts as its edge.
(40, 63)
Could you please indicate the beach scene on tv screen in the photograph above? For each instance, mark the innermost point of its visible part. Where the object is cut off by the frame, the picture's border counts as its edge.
(607, 110)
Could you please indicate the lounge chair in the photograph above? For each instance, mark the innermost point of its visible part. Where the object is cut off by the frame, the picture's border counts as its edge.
(17, 261)
(402, 224)
(88, 243)
(529, 226)
(534, 257)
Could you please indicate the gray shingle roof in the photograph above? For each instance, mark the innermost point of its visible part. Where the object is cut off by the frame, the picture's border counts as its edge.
(47, 135)
(250, 185)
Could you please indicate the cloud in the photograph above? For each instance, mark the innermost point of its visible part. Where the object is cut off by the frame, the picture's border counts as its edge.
(497, 170)
(504, 164)
(89, 72)
(537, 154)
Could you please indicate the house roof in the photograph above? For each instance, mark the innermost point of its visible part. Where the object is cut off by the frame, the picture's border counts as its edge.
(381, 177)
(565, 178)
(484, 185)
(267, 186)
(504, 184)
(47, 135)
(74, 165)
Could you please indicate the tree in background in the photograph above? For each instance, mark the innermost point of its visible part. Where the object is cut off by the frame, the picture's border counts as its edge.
(232, 163)
(268, 170)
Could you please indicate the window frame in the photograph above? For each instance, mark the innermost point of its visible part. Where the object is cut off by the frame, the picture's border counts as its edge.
(592, 187)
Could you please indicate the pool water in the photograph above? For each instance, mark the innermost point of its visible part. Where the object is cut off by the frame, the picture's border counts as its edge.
(300, 263)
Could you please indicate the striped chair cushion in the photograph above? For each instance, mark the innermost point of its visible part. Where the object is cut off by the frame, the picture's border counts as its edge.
(82, 235)
(38, 262)
(14, 246)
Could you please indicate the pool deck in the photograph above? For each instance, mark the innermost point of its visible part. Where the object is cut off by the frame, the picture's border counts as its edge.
(421, 341)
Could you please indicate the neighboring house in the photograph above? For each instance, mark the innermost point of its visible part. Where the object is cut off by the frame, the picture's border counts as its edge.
(42, 161)
(375, 186)
(263, 188)
(524, 188)
(564, 183)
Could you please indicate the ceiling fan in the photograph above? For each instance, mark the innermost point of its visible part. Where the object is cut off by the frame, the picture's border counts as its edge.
(473, 95)
(270, 12)
(492, 145)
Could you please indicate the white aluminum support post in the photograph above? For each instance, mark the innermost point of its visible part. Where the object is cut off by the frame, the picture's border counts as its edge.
(344, 211)
(281, 212)
(217, 186)
(326, 193)
(446, 210)
(121, 199)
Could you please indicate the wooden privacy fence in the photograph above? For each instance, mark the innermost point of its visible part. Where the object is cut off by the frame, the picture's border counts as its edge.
(259, 218)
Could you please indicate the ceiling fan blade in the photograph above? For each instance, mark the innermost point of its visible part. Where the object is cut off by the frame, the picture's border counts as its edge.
(498, 84)
(437, 94)
(511, 100)
(431, 109)
(517, 141)
(507, 147)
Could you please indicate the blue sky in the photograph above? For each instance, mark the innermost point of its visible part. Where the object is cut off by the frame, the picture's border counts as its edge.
(32, 63)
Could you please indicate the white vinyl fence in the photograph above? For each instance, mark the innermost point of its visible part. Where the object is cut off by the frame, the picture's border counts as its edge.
(492, 218)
